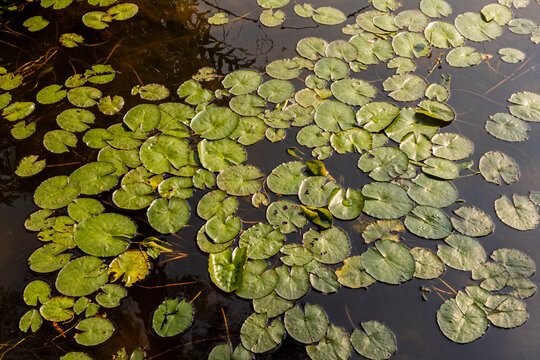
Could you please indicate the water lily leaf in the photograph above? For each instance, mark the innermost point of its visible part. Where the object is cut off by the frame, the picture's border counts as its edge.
(286, 178)
(437, 91)
(409, 44)
(293, 283)
(382, 230)
(435, 8)
(312, 48)
(220, 154)
(176, 187)
(223, 229)
(403, 65)
(436, 110)
(259, 336)
(384, 163)
(51, 94)
(516, 263)
(331, 69)
(36, 291)
(95, 330)
(219, 18)
(353, 92)
(272, 304)
(257, 282)
(224, 352)
(284, 69)
(84, 96)
(162, 153)
(351, 140)
(131, 265)
(39, 220)
(194, 92)
(524, 288)
(144, 117)
(57, 309)
(315, 191)
(473, 222)
(441, 168)
(58, 141)
(306, 327)
(352, 274)
(426, 190)
(276, 91)
(501, 14)
(172, 317)
(376, 116)
(247, 105)
(249, 130)
(508, 312)
(75, 80)
(495, 165)
(82, 276)
(346, 205)
(515, 3)
(111, 106)
(335, 345)
(463, 56)
(55, 193)
(296, 254)
(521, 215)
(413, 20)
(71, 40)
(48, 258)
(262, 241)
(133, 196)
(30, 320)
(376, 342)
(100, 74)
(389, 262)
(370, 50)
(475, 28)
(495, 275)
(522, 26)
(462, 321)
(285, 215)
(305, 10)
(35, 23)
(168, 216)
(416, 148)
(105, 234)
(365, 21)
(386, 200)
(271, 18)
(215, 123)
(226, 268)
(327, 15)
(216, 202)
(56, 4)
(329, 246)
(451, 146)
(83, 208)
(443, 35)
(18, 110)
(93, 178)
(324, 280)
(312, 136)
(462, 252)
(239, 180)
(152, 92)
(22, 131)
(341, 49)
(428, 265)
(123, 11)
(405, 87)
(75, 120)
(5, 99)
(29, 166)
(508, 128)
(242, 82)
(428, 222)
(527, 108)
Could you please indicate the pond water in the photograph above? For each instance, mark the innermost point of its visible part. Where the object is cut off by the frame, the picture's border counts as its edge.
(166, 43)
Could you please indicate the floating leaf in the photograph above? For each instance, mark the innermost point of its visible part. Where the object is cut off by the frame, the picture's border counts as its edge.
(376, 342)
(83, 208)
(508, 128)
(293, 283)
(111, 106)
(242, 82)
(436, 110)
(441, 168)
(501, 14)
(462, 321)
(218, 19)
(527, 106)
(271, 18)
(226, 268)
(168, 216)
(473, 222)
(94, 178)
(131, 265)
(346, 205)
(384, 163)
(463, 56)
(516, 263)
(495, 165)
(272, 304)
(328, 15)
(435, 8)
(123, 11)
(508, 312)
(105, 234)
(258, 336)
(51, 94)
(475, 28)
(35, 23)
(71, 40)
(463, 253)
(95, 330)
(428, 265)
(511, 55)
(315, 191)
(306, 328)
(329, 246)
(84, 96)
(172, 317)
(257, 282)
(443, 35)
(262, 241)
(30, 320)
(428, 222)
(389, 262)
(386, 201)
(413, 20)
(335, 345)
(152, 92)
(36, 291)
(82, 276)
(57, 309)
(522, 26)
(163, 153)
(405, 87)
(55, 193)
(18, 110)
(239, 180)
(495, 276)
(215, 123)
(29, 166)
(56, 4)
(521, 215)
(331, 69)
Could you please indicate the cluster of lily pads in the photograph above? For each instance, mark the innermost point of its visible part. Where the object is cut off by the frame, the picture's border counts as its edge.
(159, 154)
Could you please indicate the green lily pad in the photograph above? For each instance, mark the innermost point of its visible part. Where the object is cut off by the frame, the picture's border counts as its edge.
(83, 208)
(84, 96)
(226, 268)
(216, 202)
(133, 196)
(335, 345)
(35, 23)
(441, 168)
(511, 55)
(376, 116)
(239, 180)
(94, 178)
(508, 312)
(18, 110)
(352, 274)
(217, 155)
(123, 11)
(382, 230)
(257, 282)
(305, 10)
(5, 99)
(413, 20)
(194, 93)
(516, 263)
(242, 82)
(163, 153)
(462, 252)
(284, 69)
(71, 40)
(462, 321)
(306, 326)
(341, 49)
(409, 44)
(168, 216)
(218, 19)
(249, 130)
(49, 258)
(324, 280)
(527, 106)
(312, 136)
(437, 91)
(389, 262)
(36, 291)
(30, 166)
(82, 276)
(286, 178)
(436, 110)
(56, 4)
(272, 304)
(443, 35)
(224, 352)
(451, 146)
(172, 317)
(176, 187)
(524, 288)
(223, 229)
(296, 254)
(435, 8)
(330, 246)
(405, 87)
(293, 283)
(495, 165)
(463, 56)
(495, 276)
(30, 320)
(57, 309)
(473, 222)
(215, 123)
(51, 94)
(95, 330)
(428, 265)
(521, 215)
(111, 106)
(327, 15)
(131, 265)
(315, 191)
(75, 120)
(262, 241)
(59, 141)
(475, 28)
(377, 342)
(106, 234)
(384, 163)
(501, 14)
(426, 190)
(522, 26)
(152, 92)
(351, 140)
(22, 131)
(386, 200)
(331, 69)
(428, 222)
(271, 18)
(353, 91)
(55, 193)
(247, 105)
(508, 128)
(259, 336)
(346, 205)
(276, 91)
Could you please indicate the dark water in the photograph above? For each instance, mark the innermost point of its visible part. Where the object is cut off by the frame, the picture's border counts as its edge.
(166, 43)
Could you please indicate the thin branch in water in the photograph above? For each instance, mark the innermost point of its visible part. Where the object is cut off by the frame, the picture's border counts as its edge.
(226, 325)
(196, 296)
(349, 316)
(479, 95)
(167, 285)
(186, 344)
(509, 76)
(11, 348)
(135, 72)
(445, 283)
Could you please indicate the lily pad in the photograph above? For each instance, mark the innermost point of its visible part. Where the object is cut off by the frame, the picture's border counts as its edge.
(475, 28)
(508, 128)
(257, 282)
(384, 163)
(346, 205)
(409, 44)
(131, 266)
(511, 55)
(214, 123)
(293, 283)
(271, 18)
(462, 252)
(527, 106)
(330, 246)
(501, 14)
(405, 87)
(335, 345)
(18, 110)
(386, 200)
(377, 342)
(376, 116)
(259, 336)
(443, 35)
(315, 191)
(226, 268)
(217, 155)
(353, 91)
(463, 56)
(331, 69)
(495, 165)
(82, 276)
(473, 222)
(55, 193)
(30, 166)
(521, 215)
(36, 23)
(516, 263)
(106, 234)
(95, 330)
(262, 241)
(163, 153)
(57, 309)
(242, 82)
(389, 262)
(462, 321)
(272, 304)
(84, 96)
(123, 11)
(30, 320)
(36, 291)
(428, 265)
(172, 317)
(168, 216)
(435, 8)
(508, 312)
(328, 15)
(428, 222)
(353, 274)
(239, 180)
(306, 327)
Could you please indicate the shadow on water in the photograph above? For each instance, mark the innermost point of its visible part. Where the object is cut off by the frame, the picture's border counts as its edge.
(166, 43)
